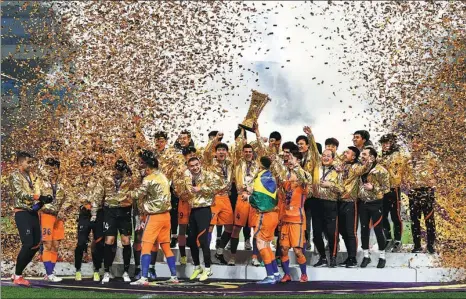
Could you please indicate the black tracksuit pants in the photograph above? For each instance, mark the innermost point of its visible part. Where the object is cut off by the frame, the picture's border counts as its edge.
(421, 201)
(372, 210)
(325, 219)
(348, 225)
(392, 206)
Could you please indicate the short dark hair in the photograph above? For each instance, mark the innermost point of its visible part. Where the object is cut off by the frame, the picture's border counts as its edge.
(221, 145)
(161, 134)
(213, 134)
(238, 132)
(319, 147)
(289, 145)
(22, 155)
(247, 145)
(88, 162)
(121, 165)
(364, 134)
(355, 150)
(332, 141)
(149, 158)
(297, 154)
(302, 137)
(193, 159)
(188, 150)
(186, 132)
(275, 135)
(52, 162)
(388, 138)
(372, 151)
(266, 162)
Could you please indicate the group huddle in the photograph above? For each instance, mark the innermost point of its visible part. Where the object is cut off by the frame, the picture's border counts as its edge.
(272, 189)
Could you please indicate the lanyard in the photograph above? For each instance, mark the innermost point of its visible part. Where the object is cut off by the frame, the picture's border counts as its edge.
(118, 182)
(28, 179)
(54, 189)
(248, 168)
(324, 175)
(225, 171)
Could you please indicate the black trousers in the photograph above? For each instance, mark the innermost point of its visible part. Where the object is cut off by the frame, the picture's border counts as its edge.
(325, 219)
(368, 211)
(199, 222)
(392, 206)
(421, 201)
(348, 226)
(174, 212)
(28, 226)
(85, 226)
(308, 207)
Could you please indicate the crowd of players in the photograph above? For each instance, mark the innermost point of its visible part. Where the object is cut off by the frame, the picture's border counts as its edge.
(167, 195)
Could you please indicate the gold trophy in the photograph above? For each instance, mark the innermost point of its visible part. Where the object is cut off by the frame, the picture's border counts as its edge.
(258, 102)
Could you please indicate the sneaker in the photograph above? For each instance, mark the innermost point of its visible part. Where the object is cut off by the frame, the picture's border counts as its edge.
(365, 261)
(78, 276)
(173, 242)
(321, 263)
(352, 263)
(381, 263)
(126, 277)
(96, 277)
(308, 246)
(231, 262)
(140, 282)
(267, 280)
(197, 271)
(183, 260)
(152, 274)
(277, 277)
(430, 249)
(111, 275)
(262, 264)
(221, 259)
(173, 280)
(344, 263)
(52, 278)
(205, 274)
(333, 262)
(285, 278)
(396, 247)
(20, 281)
(217, 243)
(416, 250)
(106, 278)
(303, 278)
(255, 262)
(137, 274)
(389, 245)
(247, 244)
(228, 247)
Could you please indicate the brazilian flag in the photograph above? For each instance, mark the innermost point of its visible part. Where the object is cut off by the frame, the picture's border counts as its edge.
(264, 196)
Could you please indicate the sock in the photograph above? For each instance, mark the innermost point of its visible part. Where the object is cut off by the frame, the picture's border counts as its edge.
(145, 261)
(47, 260)
(182, 244)
(286, 267)
(137, 258)
(382, 254)
(275, 267)
(108, 257)
(126, 257)
(255, 250)
(171, 265)
(366, 252)
(269, 269)
(226, 236)
(234, 245)
(303, 268)
(182, 250)
(54, 260)
(153, 257)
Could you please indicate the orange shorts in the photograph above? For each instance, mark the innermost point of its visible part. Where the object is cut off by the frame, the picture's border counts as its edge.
(292, 235)
(253, 220)
(266, 226)
(222, 213)
(52, 229)
(242, 211)
(184, 210)
(157, 229)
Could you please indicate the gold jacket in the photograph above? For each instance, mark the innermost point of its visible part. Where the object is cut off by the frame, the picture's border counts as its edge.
(178, 182)
(298, 175)
(113, 197)
(397, 166)
(422, 170)
(59, 201)
(350, 179)
(333, 192)
(379, 177)
(210, 184)
(153, 195)
(311, 160)
(169, 161)
(223, 169)
(242, 179)
(21, 191)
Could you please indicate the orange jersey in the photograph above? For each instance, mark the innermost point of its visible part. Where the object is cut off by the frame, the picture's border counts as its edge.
(295, 195)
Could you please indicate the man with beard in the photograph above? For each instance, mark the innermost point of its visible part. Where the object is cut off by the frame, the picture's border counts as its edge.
(396, 163)
(372, 187)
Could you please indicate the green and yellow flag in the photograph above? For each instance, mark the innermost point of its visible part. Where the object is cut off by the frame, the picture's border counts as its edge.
(264, 195)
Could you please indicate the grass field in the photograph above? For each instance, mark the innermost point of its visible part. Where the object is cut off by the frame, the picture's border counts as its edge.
(19, 292)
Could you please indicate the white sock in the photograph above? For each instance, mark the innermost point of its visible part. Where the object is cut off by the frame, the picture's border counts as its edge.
(174, 277)
(366, 252)
(382, 254)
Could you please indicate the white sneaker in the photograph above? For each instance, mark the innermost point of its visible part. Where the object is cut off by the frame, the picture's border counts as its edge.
(106, 278)
(126, 277)
(173, 280)
(232, 261)
(111, 274)
(247, 244)
(52, 278)
(143, 281)
(228, 247)
(255, 262)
